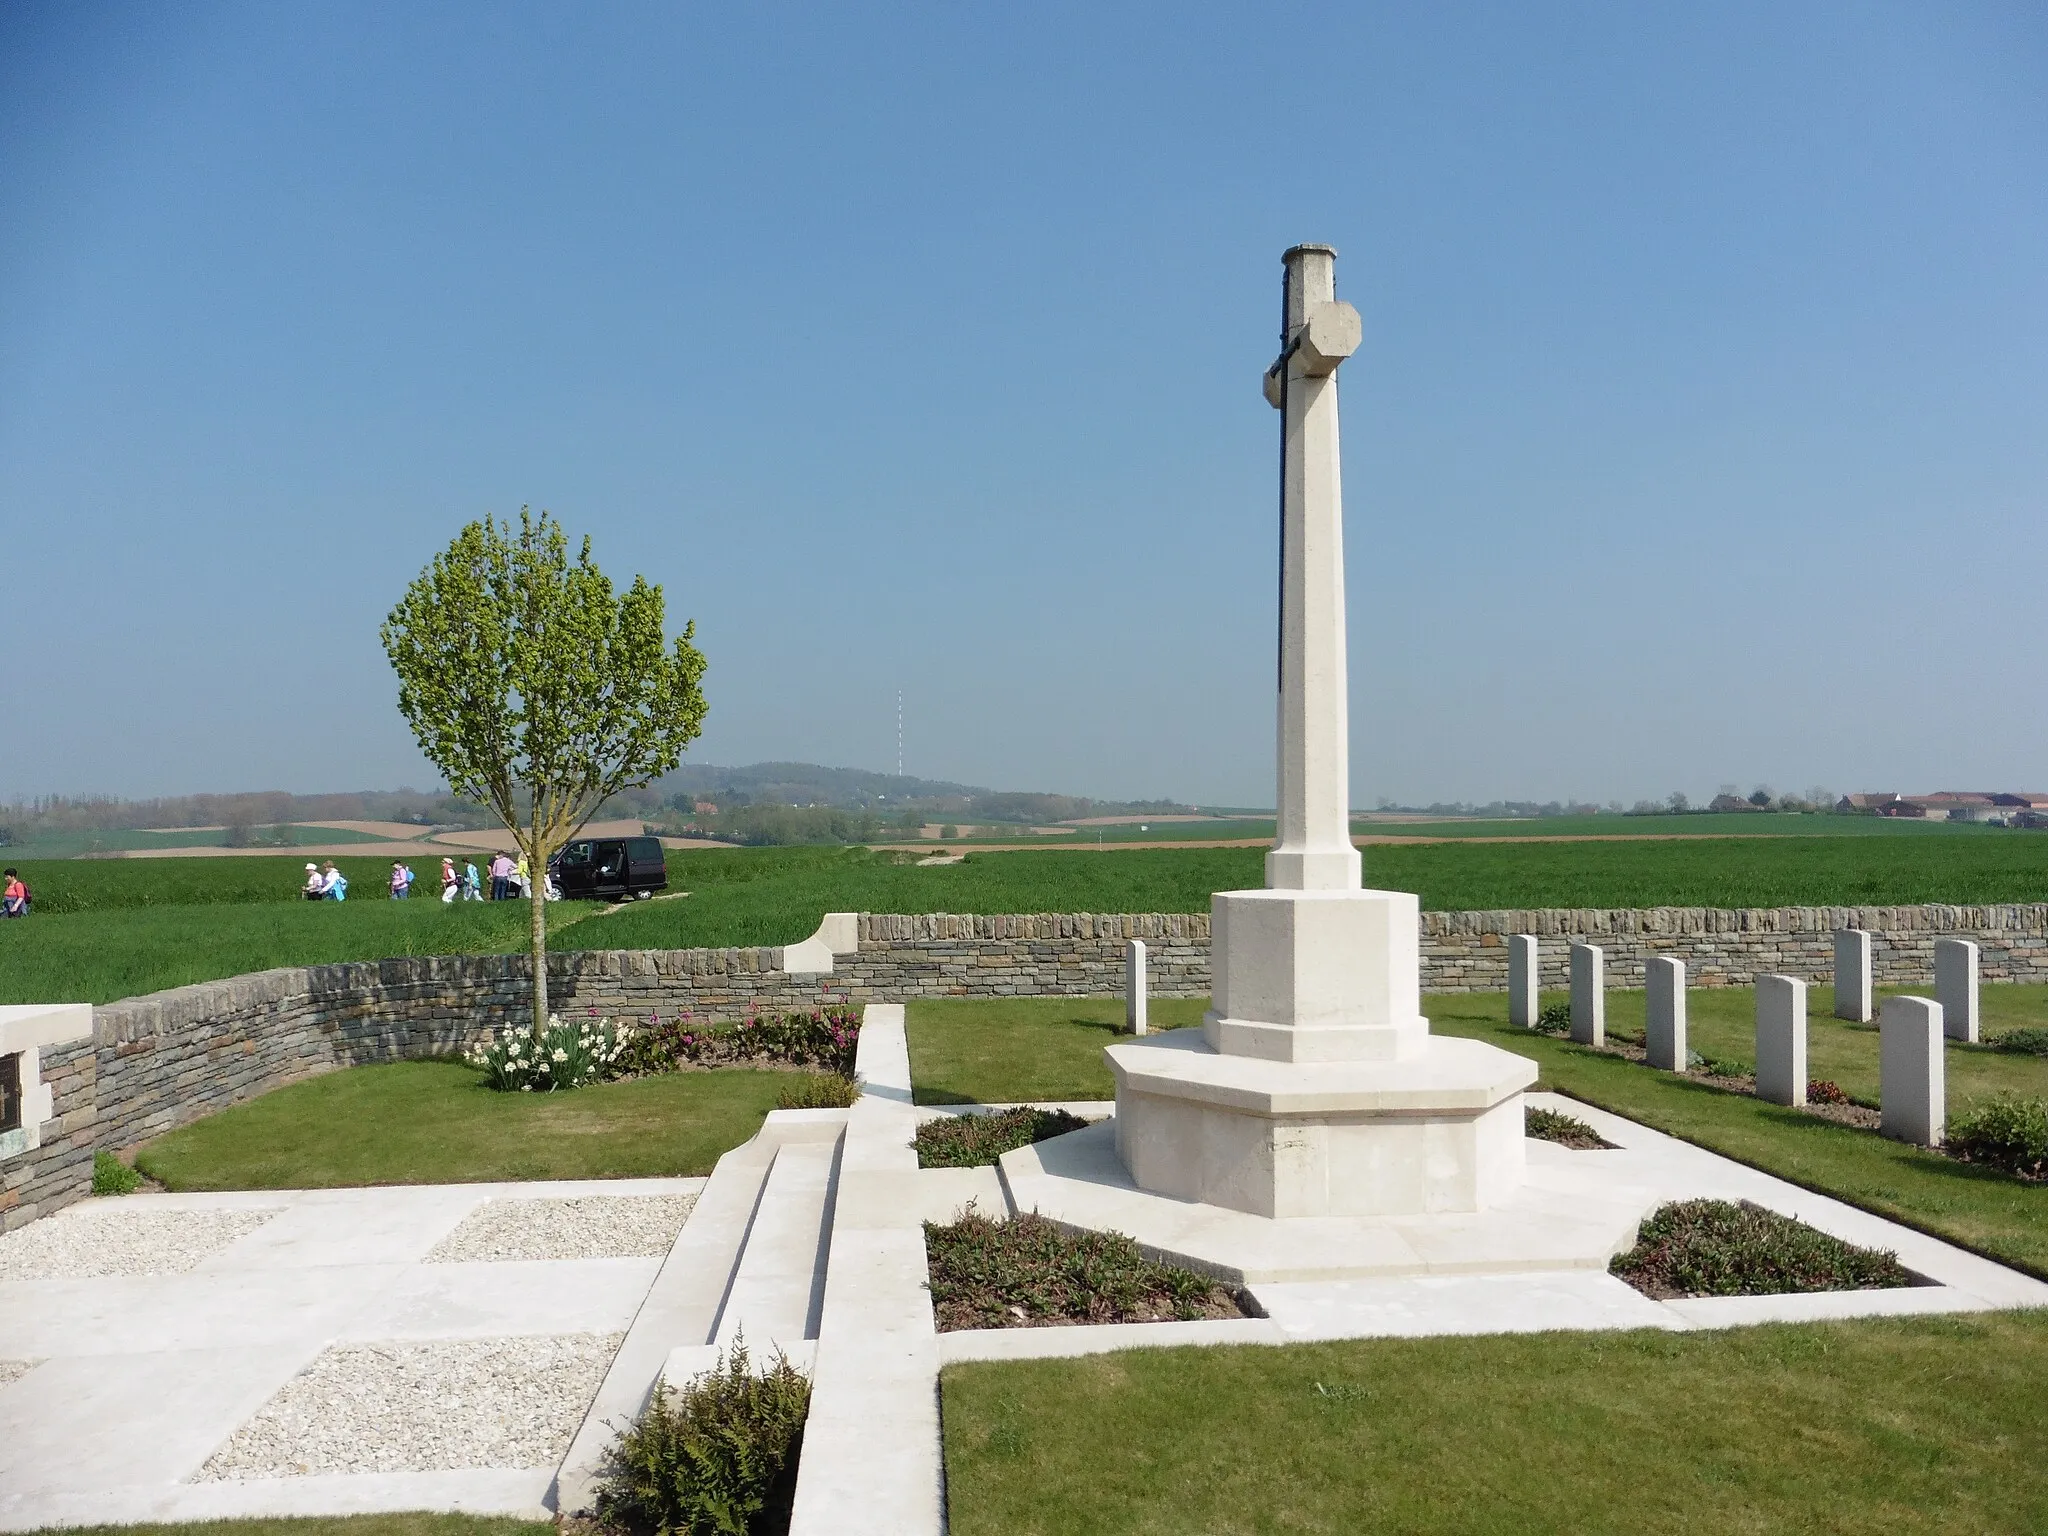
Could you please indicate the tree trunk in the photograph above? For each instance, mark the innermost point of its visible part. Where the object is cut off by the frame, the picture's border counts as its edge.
(537, 896)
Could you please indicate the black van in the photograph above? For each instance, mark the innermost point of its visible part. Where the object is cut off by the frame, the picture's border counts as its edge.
(613, 867)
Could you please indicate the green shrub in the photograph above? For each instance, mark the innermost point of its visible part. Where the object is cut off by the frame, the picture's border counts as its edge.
(1554, 1020)
(1025, 1270)
(2005, 1132)
(976, 1141)
(1720, 1066)
(1721, 1248)
(567, 1055)
(1565, 1130)
(2021, 1042)
(111, 1176)
(718, 1458)
(818, 1090)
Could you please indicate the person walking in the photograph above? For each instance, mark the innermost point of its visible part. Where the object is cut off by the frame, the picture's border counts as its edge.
(399, 884)
(314, 888)
(472, 883)
(501, 875)
(451, 883)
(522, 880)
(333, 884)
(14, 897)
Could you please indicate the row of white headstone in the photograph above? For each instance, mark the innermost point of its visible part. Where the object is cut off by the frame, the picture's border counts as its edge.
(1912, 1085)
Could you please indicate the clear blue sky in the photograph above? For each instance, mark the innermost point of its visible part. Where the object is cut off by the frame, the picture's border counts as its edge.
(1700, 433)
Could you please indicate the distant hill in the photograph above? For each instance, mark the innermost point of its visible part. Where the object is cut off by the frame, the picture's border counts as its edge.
(856, 789)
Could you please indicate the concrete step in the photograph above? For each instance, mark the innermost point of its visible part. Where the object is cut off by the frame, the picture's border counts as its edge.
(780, 1282)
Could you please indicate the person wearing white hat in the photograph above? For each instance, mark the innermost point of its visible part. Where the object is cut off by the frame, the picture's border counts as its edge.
(315, 887)
(451, 883)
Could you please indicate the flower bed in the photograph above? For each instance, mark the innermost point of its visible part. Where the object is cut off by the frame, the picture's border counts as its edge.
(564, 1055)
(825, 1039)
(1565, 1130)
(975, 1141)
(1028, 1272)
(1722, 1248)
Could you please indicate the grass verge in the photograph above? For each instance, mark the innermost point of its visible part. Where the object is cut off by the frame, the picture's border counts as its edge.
(1914, 1427)
(966, 1050)
(434, 1122)
(410, 1524)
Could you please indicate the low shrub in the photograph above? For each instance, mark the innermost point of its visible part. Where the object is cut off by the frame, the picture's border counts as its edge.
(817, 1090)
(1719, 1066)
(1554, 1020)
(1721, 1248)
(975, 1141)
(1565, 1130)
(823, 1038)
(111, 1176)
(718, 1458)
(2006, 1132)
(2021, 1042)
(1823, 1090)
(565, 1055)
(1027, 1271)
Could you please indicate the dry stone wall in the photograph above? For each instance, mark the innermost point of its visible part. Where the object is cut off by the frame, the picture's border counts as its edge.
(162, 1061)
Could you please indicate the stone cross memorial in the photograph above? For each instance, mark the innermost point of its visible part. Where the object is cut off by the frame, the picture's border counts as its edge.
(1315, 1087)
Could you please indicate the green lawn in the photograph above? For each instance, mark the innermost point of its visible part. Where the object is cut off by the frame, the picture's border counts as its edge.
(434, 1122)
(1022, 1049)
(1909, 1427)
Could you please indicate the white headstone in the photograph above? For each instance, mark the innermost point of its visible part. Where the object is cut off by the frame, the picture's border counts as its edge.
(1589, 994)
(1912, 1072)
(1524, 982)
(1665, 1036)
(1852, 975)
(1781, 1039)
(1134, 986)
(1955, 987)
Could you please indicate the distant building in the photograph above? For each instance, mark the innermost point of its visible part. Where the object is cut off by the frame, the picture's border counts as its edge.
(1997, 807)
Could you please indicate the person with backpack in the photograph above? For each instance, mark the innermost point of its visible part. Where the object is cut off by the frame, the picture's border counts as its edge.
(15, 896)
(333, 884)
(400, 886)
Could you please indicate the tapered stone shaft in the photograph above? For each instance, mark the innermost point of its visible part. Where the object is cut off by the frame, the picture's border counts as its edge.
(1314, 851)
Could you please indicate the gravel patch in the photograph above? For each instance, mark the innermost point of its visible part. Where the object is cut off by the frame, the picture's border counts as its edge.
(124, 1240)
(589, 1227)
(431, 1407)
(14, 1370)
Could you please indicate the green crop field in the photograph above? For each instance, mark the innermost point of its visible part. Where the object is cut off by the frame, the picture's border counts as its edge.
(112, 928)
(1698, 824)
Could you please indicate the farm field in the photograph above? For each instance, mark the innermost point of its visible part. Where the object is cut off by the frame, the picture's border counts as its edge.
(1702, 824)
(111, 928)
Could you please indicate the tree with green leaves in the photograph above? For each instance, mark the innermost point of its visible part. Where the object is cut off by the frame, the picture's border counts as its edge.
(538, 690)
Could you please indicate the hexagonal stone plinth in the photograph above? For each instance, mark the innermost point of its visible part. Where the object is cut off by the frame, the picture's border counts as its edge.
(1440, 1132)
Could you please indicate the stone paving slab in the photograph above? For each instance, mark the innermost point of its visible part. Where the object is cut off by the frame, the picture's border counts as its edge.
(140, 1379)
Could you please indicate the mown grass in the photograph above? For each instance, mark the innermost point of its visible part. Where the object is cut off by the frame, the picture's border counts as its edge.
(966, 1050)
(434, 1122)
(1914, 1427)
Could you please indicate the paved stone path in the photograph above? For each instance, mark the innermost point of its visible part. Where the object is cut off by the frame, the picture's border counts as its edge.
(181, 1357)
